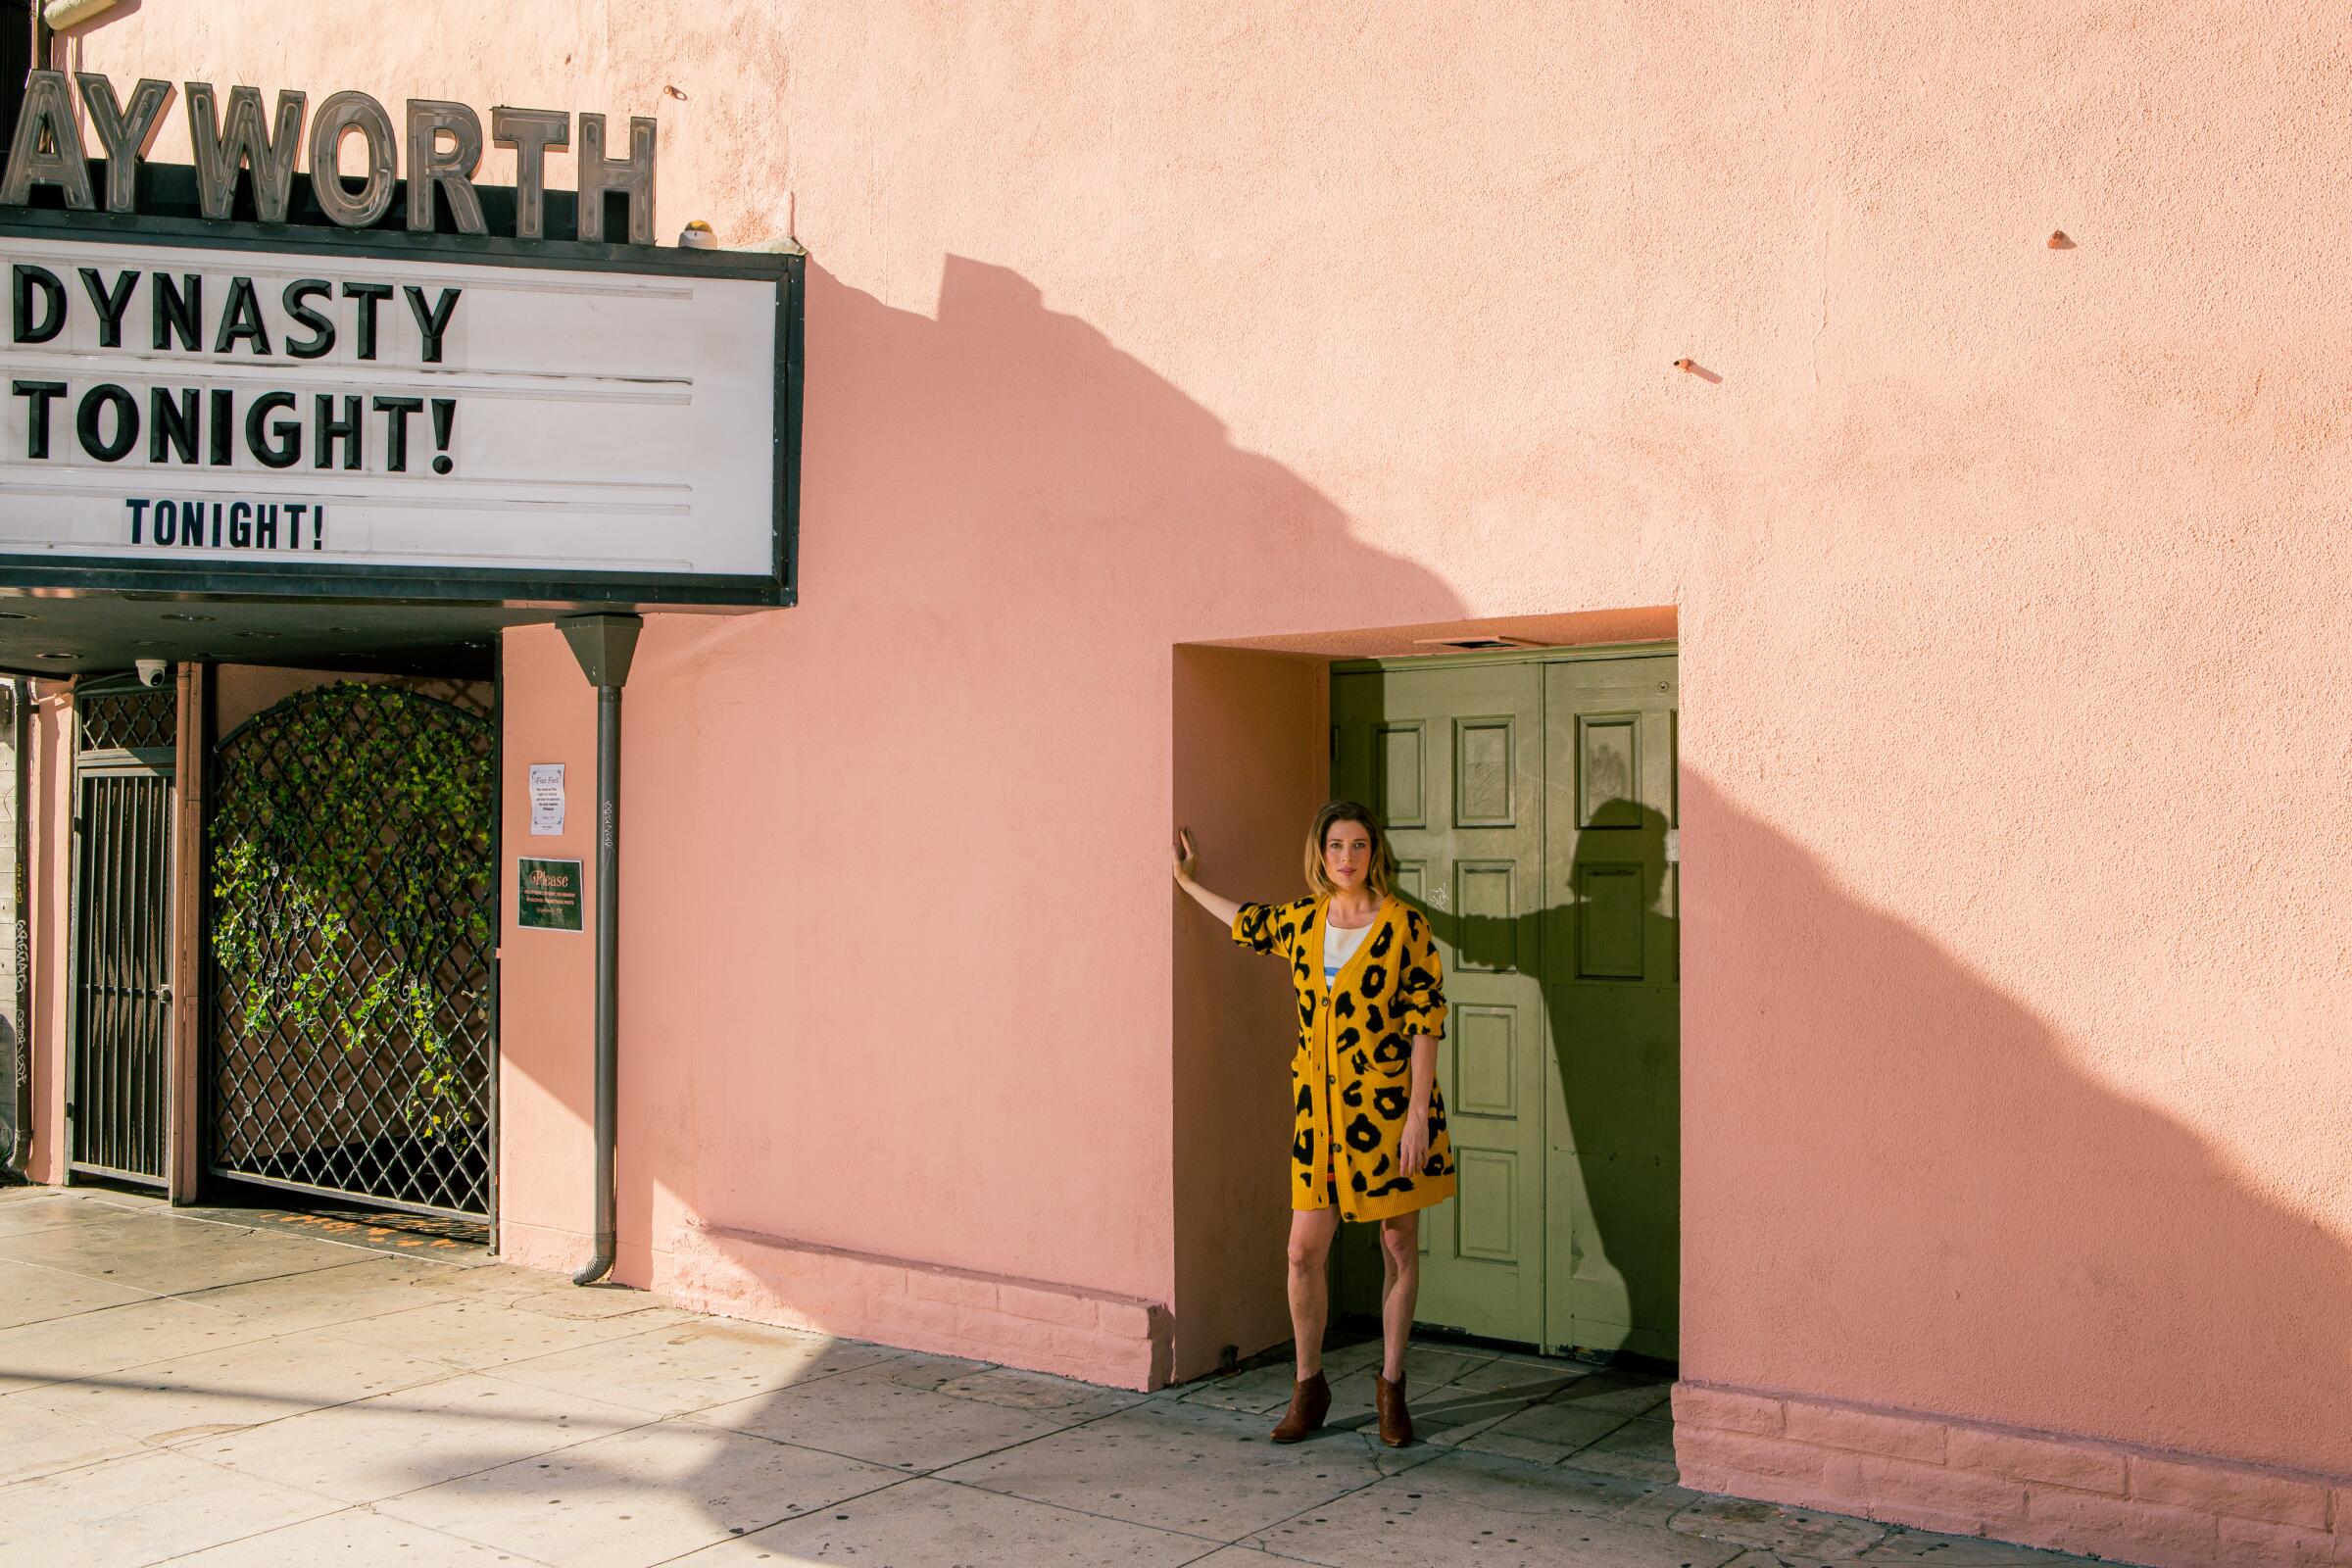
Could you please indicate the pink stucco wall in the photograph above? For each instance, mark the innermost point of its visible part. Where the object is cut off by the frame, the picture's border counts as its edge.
(49, 869)
(1248, 768)
(2010, 591)
(546, 979)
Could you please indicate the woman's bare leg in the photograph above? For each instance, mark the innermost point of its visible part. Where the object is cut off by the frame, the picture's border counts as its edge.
(1399, 1285)
(1311, 1231)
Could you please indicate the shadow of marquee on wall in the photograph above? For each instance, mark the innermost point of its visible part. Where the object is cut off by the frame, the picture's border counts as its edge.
(354, 414)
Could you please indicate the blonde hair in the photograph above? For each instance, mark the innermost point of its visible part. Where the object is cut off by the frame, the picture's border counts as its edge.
(1380, 876)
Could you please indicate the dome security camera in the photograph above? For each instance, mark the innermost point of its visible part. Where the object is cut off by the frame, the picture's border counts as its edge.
(152, 671)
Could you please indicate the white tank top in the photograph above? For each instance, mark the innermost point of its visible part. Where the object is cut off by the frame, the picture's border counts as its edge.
(1338, 946)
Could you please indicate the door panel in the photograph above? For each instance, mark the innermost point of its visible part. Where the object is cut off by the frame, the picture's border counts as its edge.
(1613, 1096)
(1531, 808)
(1451, 759)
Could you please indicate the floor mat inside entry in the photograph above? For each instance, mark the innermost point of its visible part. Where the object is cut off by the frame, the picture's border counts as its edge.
(455, 1239)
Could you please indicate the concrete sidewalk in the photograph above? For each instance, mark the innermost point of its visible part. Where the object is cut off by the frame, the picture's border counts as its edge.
(248, 1389)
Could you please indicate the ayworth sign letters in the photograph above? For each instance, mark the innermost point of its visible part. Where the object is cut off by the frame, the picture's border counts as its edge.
(502, 416)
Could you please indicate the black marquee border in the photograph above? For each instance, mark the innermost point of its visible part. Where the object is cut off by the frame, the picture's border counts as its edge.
(481, 585)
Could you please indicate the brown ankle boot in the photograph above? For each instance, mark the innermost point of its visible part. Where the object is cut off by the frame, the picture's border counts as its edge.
(1310, 1402)
(1396, 1422)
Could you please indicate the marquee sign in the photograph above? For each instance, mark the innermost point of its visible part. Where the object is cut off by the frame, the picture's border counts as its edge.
(378, 408)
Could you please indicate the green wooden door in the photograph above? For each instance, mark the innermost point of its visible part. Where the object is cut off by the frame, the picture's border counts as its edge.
(1452, 759)
(1611, 984)
(1531, 805)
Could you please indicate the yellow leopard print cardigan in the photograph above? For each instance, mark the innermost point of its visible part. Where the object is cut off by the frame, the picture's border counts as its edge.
(1351, 1075)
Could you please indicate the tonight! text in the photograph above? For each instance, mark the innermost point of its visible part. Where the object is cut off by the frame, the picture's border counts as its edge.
(227, 524)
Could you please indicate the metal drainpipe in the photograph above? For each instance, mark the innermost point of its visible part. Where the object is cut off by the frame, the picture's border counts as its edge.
(604, 644)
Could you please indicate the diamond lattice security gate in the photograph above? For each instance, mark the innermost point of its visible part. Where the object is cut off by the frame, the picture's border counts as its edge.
(351, 926)
(118, 1097)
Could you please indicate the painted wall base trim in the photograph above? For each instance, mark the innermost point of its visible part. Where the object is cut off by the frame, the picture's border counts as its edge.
(1118, 1341)
(2124, 1503)
(543, 1246)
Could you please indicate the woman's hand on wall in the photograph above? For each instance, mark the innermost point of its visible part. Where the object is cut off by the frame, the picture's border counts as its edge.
(1188, 861)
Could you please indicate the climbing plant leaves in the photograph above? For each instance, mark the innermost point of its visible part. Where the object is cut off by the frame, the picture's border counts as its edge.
(350, 883)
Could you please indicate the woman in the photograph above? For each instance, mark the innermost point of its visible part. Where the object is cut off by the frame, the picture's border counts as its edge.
(1368, 1126)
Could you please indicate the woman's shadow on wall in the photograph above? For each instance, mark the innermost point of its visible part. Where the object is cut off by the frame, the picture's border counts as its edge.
(1605, 952)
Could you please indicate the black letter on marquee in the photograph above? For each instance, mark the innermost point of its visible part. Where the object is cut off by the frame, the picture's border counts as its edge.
(396, 429)
(176, 309)
(242, 317)
(171, 424)
(221, 452)
(433, 323)
(445, 414)
(113, 304)
(321, 341)
(37, 412)
(32, 280)
(286, 451)
(331, 430)
(127, 422)
(368, 294)
(138, 515)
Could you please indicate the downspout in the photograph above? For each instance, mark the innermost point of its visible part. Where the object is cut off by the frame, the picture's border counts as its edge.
(604, 646)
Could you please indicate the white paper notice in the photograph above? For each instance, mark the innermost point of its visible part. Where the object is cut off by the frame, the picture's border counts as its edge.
(547, 799)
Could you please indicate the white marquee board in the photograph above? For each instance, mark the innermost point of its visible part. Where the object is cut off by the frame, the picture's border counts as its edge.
(617, 423)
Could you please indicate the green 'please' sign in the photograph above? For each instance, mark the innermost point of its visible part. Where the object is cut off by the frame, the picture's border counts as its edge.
(547, 895)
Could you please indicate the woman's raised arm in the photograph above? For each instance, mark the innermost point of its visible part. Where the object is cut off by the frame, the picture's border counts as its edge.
(1188, 861)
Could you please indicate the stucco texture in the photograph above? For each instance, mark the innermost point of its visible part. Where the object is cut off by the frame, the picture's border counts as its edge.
(2010, 585)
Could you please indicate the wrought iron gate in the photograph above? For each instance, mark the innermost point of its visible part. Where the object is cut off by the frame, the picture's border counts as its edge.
(119, 1091)
(352, 849)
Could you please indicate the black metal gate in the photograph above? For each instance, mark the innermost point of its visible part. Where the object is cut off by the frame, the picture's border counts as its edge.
(119, 1090)
(352, 924)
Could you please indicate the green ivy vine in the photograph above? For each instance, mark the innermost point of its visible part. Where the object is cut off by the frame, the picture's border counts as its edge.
(351, 880)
